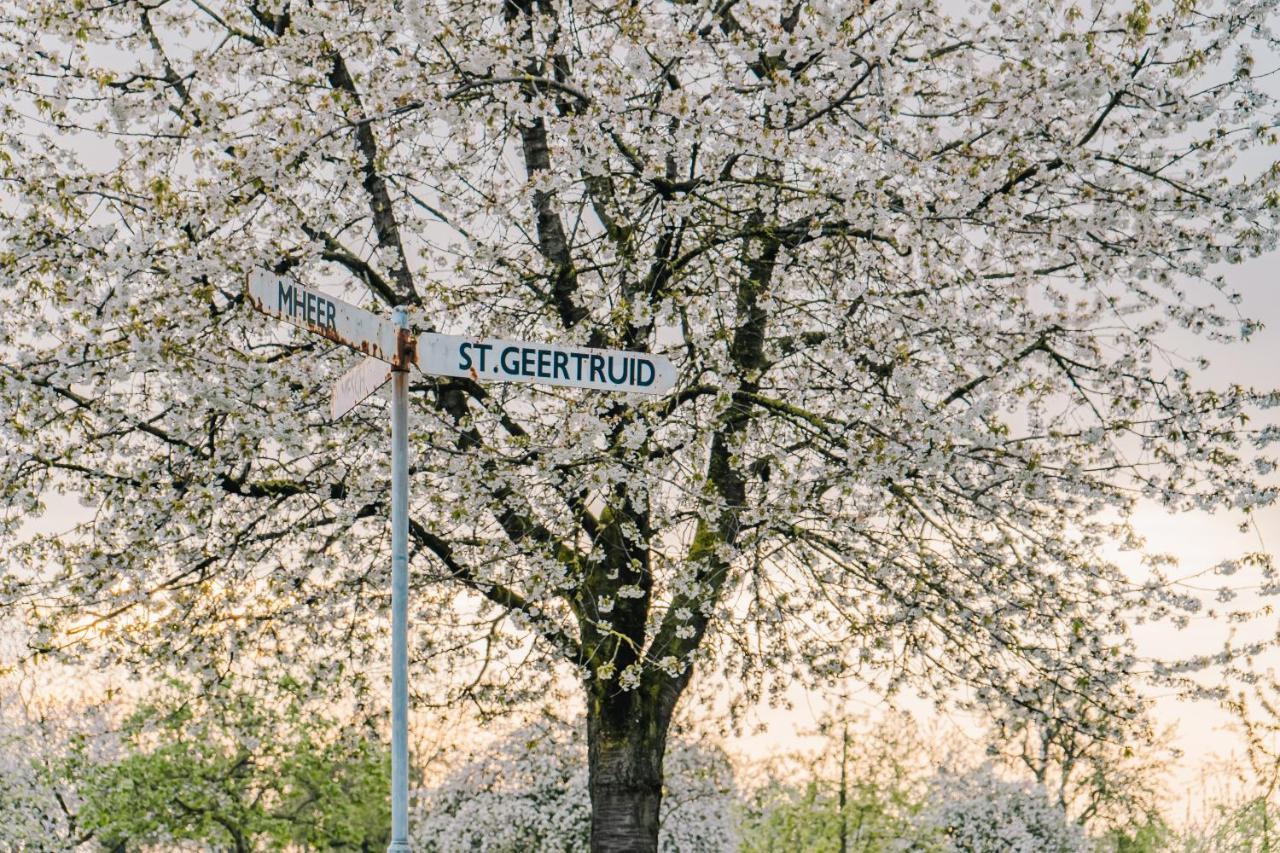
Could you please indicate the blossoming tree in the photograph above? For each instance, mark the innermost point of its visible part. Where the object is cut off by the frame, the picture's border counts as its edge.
(528, 791)
(977, 811)
(915, 268)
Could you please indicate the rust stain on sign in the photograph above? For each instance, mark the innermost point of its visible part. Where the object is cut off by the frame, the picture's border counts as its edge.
(406, 349)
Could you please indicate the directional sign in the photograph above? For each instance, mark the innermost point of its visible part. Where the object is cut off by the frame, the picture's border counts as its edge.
(336, 320)
(518, 361)
(356, 384)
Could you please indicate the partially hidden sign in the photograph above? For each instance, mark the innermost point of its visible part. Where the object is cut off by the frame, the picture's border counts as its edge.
(340, 322)
(357, 384)
(491, 359)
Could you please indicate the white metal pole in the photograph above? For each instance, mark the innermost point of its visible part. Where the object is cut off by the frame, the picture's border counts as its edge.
(399, 601)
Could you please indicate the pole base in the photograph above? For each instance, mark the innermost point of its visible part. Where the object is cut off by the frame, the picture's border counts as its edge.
(399, 847)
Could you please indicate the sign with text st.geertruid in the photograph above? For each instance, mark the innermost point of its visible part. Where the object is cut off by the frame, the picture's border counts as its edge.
(341, 322)
(547, 364)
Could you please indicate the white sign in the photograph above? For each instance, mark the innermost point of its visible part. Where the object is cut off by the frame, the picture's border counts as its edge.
(336, 320)
(357, 384)
(519, 361)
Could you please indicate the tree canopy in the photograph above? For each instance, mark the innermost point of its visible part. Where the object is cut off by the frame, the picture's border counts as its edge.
(917, 269)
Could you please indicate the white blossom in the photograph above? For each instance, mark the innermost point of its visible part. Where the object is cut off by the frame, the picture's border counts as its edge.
(937, 284)
(978, 812)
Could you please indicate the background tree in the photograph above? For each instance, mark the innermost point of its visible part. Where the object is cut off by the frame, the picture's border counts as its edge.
(1106, 772)
(859, 793)
(976, 811)
(529, 791)
(39, 804)
(916, 270)
(907, 788)
(1249, 817)
(1226, 815)
(240, 769)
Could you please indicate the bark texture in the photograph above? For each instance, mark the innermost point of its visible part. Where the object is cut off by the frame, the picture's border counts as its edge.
(627, 738)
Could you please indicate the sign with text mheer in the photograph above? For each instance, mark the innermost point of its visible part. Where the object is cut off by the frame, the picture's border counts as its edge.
(547, 364)
(336, 320)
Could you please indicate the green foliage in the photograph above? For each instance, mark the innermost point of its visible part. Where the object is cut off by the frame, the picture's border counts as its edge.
(338, 793)
(1248, 826)
(1152, 836)
(781, 818)
(237, 771)
(884, 769)
(784, 818)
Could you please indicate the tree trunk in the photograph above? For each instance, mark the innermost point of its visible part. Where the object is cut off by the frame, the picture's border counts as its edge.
(626, 740)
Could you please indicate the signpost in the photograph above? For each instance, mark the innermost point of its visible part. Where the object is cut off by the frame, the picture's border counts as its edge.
(390, 349)
(400, 599)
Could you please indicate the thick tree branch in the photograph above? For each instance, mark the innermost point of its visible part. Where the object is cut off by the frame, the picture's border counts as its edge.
(553, 243)
(1037, 345)
(340, 254)
(88, 405)
(526, 81)
(689, 616)
(385, 225)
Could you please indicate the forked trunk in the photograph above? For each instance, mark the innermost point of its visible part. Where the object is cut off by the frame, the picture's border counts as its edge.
(624, 755)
